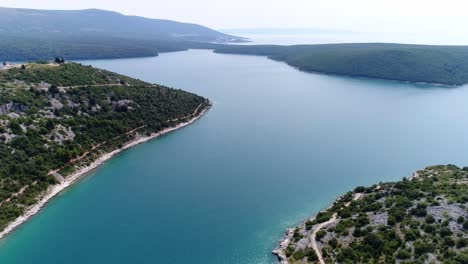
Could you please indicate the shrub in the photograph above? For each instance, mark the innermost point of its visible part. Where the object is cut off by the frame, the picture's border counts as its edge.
(320, 235)
(298, 255)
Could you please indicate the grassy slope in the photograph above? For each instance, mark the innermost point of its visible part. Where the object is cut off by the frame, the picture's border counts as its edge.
(46, 128)
(415, 63)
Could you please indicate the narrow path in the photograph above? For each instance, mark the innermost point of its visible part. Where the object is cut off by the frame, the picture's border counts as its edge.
(90, 85)
(77, 159)
(185, 117)
(314, 236)
(318, 227)
(100, 85)
(21, 191)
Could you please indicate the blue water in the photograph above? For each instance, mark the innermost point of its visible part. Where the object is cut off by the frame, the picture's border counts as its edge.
(277, 146)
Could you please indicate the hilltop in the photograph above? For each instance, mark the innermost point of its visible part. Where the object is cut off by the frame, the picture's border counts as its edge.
(95, 22)
(418, 220)
(29, 34)
(58, 121)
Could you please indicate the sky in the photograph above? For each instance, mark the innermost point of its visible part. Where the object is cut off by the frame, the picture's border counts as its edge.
(354, 15)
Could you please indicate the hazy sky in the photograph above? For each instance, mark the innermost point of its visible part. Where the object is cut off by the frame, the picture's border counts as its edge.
(358, 15)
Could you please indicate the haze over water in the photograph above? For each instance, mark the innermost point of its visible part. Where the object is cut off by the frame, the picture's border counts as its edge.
(311, 36)
(277, 146)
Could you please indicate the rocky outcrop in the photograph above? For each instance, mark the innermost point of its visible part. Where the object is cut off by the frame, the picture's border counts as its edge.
(12, 107)
(55, 104)
(280, 252)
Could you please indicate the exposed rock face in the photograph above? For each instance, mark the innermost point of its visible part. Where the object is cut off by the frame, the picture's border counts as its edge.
(4, 109)
(12, 107)
(42, 86)
(379, 219)
(452, 211)
(7, 137)
(96, 108)
(13, 115)
(62, 134)
(121, 103)
(72, 104)
(56, 104)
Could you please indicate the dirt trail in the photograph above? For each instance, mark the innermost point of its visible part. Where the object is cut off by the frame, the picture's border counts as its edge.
(318, 227)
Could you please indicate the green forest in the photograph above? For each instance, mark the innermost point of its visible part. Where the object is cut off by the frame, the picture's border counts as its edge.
(52, 115)
(447, 65)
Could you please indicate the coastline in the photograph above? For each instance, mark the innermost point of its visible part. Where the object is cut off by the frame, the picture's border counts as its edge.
(280, 251)
(54, 190)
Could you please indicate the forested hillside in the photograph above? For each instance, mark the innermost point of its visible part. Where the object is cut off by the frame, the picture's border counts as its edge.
(414, 63)
(419, 220)
(55, 118)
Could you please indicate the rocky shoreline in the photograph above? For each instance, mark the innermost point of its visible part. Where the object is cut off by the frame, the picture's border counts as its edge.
(280, 251)
(420, 217)
(81, 172)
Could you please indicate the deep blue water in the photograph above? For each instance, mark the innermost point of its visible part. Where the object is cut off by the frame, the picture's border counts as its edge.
(277, 146)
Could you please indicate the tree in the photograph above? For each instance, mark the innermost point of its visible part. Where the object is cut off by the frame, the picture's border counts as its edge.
(50, 124)
(53, 89)
(375, 242)
(59, 60)
(15, 127)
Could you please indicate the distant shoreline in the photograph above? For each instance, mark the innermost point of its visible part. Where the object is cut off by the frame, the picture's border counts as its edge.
(54, 190)
(302, 69)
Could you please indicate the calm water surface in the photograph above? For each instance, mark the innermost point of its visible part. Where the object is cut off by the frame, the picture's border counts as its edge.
(277, 146)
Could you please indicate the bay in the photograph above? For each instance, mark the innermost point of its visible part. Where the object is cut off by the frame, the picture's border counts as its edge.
(277, 146)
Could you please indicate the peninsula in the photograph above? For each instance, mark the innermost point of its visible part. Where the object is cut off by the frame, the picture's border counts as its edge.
(436, 64)
(58, 121)
(422, 219)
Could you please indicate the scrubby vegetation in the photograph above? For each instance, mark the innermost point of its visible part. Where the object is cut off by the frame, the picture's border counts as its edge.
(415, 63)
(55, 118)
(419, 220)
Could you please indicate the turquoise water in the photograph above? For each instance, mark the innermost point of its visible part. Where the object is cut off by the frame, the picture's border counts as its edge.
(277, 146)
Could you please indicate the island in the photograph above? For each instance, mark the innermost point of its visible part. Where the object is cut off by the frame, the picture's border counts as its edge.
(58, 121)
(421, 219)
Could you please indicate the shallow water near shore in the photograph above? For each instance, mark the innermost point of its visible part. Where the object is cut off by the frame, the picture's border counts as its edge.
(277, 146)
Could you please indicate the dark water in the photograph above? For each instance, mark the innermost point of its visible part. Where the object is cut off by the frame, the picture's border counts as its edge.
(277, 146)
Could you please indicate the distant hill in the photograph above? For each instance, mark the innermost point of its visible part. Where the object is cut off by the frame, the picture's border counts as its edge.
(94, 22)
(414, 63)
(29, 34)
